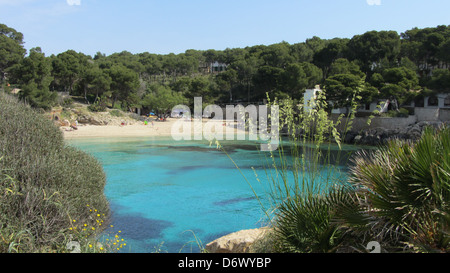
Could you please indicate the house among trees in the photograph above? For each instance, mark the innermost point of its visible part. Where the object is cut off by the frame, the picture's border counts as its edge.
(213, 67)
(217, 67)
(435, 107)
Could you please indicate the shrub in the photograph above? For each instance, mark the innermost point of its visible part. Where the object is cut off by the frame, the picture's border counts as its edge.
(397, 195)
(116, 113)
(406, 187)
(401, 113)
(306, 223)
(97, 107)
(53, 182)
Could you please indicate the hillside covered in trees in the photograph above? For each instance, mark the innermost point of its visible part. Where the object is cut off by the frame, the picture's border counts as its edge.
(383, 64)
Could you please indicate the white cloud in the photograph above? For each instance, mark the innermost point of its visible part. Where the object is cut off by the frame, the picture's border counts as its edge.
(374, 2)
(74, 2)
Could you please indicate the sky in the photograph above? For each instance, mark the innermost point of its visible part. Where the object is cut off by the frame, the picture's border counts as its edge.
(174, 26)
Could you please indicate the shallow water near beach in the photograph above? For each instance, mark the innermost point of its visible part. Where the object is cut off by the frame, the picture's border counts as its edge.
(170, 196)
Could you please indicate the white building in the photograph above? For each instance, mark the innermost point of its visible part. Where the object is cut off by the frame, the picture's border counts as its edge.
(218, 67)
(309, 98)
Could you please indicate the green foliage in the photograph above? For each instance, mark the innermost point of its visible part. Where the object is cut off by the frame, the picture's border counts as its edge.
(334, 50)
(124, 82)
(201, 87)
(116, 113)
(372, 48)
(38, 98)
(47, 183)
(440, 80)
(344, 66)
(67, 69)
(11, 49)
(401, 113)
(98, 106)
(400, 83)
(406, 186)
(397, 195)
(391, 64)
(313, 223)
(35, 77)
(341, 88)
(162, 99)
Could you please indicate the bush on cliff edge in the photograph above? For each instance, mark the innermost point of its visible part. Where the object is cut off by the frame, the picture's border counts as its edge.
(44, 184)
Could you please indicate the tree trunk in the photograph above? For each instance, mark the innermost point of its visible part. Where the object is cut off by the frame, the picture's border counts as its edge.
(85, 94)
(114, 102)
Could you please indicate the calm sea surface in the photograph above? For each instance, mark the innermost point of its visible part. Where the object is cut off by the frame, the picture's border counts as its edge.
(166, 195)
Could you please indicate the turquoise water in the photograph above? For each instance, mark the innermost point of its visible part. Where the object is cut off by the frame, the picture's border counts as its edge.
(164, 194)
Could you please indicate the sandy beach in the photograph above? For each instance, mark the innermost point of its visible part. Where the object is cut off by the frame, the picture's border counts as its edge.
(139, 129)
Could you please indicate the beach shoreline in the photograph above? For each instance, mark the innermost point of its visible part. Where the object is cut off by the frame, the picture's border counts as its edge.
(139, 129)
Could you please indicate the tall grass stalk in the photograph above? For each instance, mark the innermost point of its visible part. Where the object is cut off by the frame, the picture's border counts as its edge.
(307, 162)
(305, 167)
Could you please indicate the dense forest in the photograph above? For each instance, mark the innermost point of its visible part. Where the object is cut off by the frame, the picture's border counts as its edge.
(381, 64)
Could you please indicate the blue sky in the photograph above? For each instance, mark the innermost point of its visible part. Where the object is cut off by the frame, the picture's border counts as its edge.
(173, 26)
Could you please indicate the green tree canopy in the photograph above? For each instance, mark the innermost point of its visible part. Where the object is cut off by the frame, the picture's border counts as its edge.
(35, 79)
(299, 76)
(162, 99)
(67, 69)
(11, 49)
(344, 66)
(124, 82)
(342, 89)
(371, 48)
(400, 83)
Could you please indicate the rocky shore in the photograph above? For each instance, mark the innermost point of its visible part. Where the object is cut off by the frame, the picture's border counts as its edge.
(244, 241)
(376, 136)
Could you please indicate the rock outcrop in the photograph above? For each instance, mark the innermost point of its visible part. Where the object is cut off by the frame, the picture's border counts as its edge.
(91, 120)
(375, 136)
(238, 242)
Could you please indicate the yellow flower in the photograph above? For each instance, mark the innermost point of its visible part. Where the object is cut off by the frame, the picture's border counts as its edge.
(74, 221)
(90, 246)
(98, 215)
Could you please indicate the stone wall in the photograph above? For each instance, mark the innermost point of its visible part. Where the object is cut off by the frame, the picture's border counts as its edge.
(427, 114)
(360, 123)
(444, 114)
